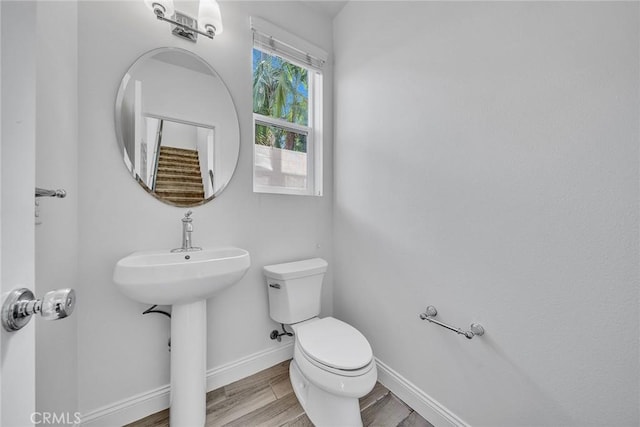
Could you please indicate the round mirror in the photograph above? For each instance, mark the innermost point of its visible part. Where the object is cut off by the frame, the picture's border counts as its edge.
(177, 127)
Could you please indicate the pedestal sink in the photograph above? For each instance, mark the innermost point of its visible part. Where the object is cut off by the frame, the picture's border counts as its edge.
(183, 280)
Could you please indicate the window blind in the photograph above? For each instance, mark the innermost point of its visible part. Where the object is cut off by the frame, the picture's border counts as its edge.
(271, 39)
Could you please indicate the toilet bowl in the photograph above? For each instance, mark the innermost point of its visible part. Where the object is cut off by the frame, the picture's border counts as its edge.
(332, 368)
(333, 364)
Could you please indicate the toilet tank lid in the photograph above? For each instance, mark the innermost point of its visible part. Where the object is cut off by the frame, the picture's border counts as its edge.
(293, 270)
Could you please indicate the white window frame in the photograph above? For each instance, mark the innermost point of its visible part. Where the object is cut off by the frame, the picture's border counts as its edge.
(313, 130)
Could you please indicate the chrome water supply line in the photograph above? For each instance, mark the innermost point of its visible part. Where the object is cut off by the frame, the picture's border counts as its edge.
(275, 335)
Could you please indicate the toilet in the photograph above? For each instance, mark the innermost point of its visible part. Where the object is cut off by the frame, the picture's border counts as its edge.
(333, 363)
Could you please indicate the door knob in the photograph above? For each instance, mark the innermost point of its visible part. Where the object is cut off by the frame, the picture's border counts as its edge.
(21, 304)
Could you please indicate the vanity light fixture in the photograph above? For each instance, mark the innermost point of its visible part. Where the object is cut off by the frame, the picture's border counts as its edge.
(209, 22)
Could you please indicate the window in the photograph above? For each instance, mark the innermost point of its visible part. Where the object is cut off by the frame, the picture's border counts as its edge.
(287, 112)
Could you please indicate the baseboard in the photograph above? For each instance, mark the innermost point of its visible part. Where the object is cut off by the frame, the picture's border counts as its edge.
(429, 408)
(128, 410)
(246, 366)
(141, 405)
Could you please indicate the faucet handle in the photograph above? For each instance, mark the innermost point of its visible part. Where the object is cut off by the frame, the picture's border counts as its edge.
(187, 215)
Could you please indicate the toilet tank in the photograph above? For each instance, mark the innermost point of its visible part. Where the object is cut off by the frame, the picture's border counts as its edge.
(294, 289)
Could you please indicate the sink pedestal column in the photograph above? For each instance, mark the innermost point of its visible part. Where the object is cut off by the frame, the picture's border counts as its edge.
(188, 364)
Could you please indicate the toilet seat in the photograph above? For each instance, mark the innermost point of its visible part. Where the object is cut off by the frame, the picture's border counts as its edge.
(335, 371)
(335, 346)
(355, 383)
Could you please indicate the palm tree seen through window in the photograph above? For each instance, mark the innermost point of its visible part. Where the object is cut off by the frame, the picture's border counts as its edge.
(280, 91)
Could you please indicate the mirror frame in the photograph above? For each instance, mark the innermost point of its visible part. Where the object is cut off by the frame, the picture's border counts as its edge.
(118, 122)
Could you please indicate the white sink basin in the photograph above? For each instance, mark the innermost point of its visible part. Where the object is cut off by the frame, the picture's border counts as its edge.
(166, 278)
(183, 280)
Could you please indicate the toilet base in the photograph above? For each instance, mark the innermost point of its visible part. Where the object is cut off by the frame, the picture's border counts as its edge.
(324, 409)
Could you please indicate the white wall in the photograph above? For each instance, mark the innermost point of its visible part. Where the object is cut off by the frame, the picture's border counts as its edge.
(486, 162)
(280, 167)
(56, 239)
(195, 97)
(205, 146)
(179, 135)
(120, 352)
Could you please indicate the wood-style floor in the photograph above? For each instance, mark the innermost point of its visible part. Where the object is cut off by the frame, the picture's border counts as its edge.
(267, 399)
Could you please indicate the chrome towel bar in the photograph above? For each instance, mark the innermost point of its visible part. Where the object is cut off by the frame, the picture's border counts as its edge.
(41, 192)
(431, 312)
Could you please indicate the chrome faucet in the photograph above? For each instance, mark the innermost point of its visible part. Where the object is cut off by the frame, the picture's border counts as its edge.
(187, 229)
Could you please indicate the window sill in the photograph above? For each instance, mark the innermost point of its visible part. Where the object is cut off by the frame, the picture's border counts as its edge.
(283, 190)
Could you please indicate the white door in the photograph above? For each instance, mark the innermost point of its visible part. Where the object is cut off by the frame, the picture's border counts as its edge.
(17, 184)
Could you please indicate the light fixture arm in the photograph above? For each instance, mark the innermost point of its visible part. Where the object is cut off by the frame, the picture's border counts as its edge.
(211, 30)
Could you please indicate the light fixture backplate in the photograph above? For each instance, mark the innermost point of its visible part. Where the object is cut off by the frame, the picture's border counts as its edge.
(183, 32)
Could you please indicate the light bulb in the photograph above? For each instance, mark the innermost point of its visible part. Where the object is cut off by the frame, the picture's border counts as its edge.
(209, 14)
(165, 6)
